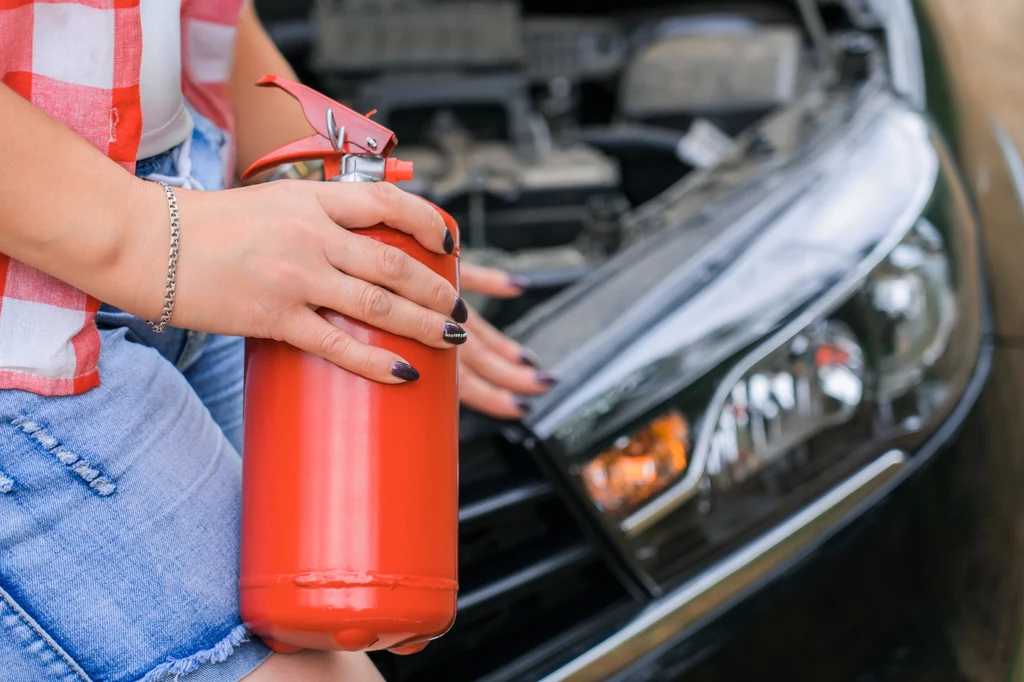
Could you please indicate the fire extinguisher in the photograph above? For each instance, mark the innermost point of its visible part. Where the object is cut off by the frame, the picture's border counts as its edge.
(350, 487)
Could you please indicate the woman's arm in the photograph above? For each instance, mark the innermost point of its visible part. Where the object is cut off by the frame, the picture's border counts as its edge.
(255, 261)
(265, 118)
(70, 211)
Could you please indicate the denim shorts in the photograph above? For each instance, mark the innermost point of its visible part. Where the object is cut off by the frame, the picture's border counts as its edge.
(120, 507)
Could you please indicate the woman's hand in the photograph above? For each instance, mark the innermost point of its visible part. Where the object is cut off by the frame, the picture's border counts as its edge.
(494, 371)
(258, 261)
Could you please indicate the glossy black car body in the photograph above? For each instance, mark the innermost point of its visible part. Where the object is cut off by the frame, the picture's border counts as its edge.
(827, 581)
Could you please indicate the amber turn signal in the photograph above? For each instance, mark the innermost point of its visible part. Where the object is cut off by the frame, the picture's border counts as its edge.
(640, 465)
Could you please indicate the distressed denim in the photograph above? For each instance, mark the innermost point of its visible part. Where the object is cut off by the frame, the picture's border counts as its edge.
(120, 507)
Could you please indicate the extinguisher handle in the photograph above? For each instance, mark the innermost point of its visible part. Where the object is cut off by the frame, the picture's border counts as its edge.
(340, 131)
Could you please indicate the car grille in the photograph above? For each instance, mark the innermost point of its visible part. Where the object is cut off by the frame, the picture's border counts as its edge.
(529, 580)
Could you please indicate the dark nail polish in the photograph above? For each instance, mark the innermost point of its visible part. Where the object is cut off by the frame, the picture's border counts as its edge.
(521, 404)
(449, 241)
(546, 378)
(528, 358)
(454, 334)
(404, 370)
(460, 313)
(519, 281)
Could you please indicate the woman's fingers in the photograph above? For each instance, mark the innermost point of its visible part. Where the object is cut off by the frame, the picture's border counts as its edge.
(495, 373)
(380, 308)
(486, 398)
(393, 269)
(357, 205)
(508, 375)
(490, 281)
(308, 331)
(498, 343)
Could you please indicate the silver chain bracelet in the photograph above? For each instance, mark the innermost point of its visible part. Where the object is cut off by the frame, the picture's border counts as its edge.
(172, 266)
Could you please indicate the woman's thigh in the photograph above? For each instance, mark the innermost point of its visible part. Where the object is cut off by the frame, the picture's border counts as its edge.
(215, 373)
(316, 666)
(119, 528)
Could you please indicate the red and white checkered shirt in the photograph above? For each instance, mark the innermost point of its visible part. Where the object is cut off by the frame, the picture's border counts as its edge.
(80, 61)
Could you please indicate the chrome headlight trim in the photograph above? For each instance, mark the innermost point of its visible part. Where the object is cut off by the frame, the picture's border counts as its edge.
(720, 584)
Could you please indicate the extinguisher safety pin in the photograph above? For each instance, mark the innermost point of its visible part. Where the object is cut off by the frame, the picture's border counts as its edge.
(336, 134)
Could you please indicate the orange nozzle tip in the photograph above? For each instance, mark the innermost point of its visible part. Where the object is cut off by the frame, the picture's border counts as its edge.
(266, 79)
(371, 113)
(396, 170)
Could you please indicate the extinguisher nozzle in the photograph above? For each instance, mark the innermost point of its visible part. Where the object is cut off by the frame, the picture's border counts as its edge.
(396, 170)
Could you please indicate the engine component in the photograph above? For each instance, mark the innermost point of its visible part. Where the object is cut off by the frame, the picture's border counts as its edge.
(728, 78)
(511, 199)
(374, 37)
(495, 106)
(484, 154)
(856, 51)
(810, 12)
(360, 36)
(575, 48)
(703, 146)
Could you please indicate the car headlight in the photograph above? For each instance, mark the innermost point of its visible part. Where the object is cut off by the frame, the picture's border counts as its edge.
(875, 353)
(845, 322)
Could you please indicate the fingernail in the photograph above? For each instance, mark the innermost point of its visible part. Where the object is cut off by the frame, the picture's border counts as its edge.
(521, 404)
(460, 313)
(519, 281)
(454, 334)
(528, 357)
(404, 370)
(449, 241)
(546, 378)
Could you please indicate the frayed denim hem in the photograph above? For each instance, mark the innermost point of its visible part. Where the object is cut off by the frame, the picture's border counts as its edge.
(216, 654)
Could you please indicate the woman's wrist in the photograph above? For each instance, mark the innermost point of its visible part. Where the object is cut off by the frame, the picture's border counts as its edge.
(170, 288)
(141, 258)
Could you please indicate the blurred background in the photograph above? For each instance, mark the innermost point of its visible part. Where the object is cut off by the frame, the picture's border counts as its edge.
(687, 185)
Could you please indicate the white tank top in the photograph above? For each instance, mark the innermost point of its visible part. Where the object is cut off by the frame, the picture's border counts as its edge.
(165, 120)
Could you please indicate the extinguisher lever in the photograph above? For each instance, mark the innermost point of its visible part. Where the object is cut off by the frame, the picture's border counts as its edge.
(339, 131)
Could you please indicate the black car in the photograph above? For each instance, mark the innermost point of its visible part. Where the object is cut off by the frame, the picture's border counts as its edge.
(755, 268)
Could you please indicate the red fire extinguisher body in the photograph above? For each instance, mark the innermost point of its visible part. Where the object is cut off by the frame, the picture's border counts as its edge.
(350, 511)
(350, 489)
